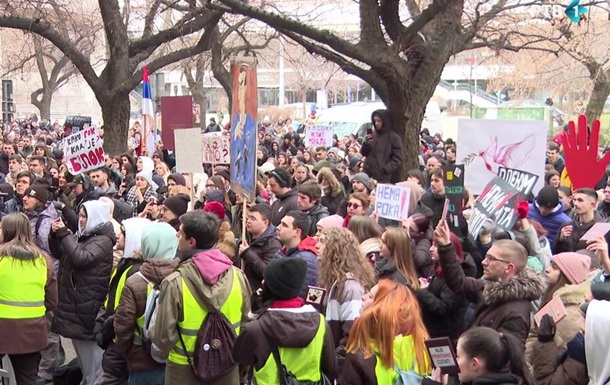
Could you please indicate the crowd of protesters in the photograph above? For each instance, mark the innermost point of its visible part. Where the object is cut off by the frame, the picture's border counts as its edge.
(91, 248)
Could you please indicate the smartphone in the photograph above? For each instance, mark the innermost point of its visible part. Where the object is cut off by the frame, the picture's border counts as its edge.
(445, 209)
(369, 131)
(55, 182)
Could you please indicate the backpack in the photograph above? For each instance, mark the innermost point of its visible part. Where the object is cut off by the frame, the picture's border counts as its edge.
(212, 357)
(150, 315)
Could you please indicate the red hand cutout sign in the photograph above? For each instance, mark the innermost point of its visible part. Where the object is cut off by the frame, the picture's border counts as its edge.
(584, 167)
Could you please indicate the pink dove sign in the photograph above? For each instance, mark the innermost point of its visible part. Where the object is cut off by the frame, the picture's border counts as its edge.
(581, 153)
(488, 146)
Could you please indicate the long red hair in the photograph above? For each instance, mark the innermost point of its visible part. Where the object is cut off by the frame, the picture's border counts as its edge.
(394, 311)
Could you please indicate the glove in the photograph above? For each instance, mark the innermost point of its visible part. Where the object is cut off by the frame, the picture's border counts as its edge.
(547, 329)
(523, 208)
(59, 206)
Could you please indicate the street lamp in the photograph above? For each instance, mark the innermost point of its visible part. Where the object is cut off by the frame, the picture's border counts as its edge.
(470, 61)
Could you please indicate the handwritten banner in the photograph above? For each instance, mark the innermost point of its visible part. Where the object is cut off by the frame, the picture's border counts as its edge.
(319, 136)
(497, 201)
(84, 151)
(392, 202)
(216, 148)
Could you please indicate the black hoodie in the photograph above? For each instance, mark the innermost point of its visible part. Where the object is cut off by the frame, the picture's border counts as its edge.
(384, 152)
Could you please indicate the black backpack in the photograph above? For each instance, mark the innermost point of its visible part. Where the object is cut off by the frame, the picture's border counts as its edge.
(68, 374)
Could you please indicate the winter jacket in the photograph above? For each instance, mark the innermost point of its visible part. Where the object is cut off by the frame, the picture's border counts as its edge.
(442, 309)
(40, 225)
(435, 203)
(572, 297)
(286, 327)
(342, 309)
(314, 215)
(305, 250)
(386, 268)
(501, 305)
(384, 152)
(283, 205)
(22, 336)
(255, 259)
(422, 257)
(84, 275)
(559, 164)
(333, 194)
(573, 242)
(497, 379)
(209, 276)
(604, 209)
(550, 367)
(14, 205)
(3, 163)
(131, 306)
(551, 222)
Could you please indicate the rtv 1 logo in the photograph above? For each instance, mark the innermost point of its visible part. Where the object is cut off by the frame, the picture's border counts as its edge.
(555, 11)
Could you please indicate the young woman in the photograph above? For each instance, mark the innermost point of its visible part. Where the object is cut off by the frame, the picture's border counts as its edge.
(357, 204)
(415, 175)
(566, 278)
(117, 163)
(26, 275)
(552, 178)
(367, 231)
(333, 193)
(389, 333)
(420, 232)
(301, 174)
(159, 244)
(84, 276)
(139, 194)
(163, 171)
(282, 160)
(488, 357)
(396, 261)
(346, 276)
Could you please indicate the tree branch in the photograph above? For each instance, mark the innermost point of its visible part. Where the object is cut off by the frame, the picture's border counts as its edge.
(370, 27)
(150, 17)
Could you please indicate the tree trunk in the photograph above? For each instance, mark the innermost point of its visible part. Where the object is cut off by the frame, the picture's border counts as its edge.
(599, 95)
(44, 103)
(115, 114)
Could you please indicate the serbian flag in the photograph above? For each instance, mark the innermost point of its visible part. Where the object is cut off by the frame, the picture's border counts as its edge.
(149, 131)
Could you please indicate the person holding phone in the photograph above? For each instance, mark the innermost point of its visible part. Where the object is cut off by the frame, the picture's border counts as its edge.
(383, 149)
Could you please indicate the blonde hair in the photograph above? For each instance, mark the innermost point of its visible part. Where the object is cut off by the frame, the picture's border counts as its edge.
(341, 255)
(399, 243)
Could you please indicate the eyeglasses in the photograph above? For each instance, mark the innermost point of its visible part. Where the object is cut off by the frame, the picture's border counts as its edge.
(491, 258)
(354, 205)
(212, 186)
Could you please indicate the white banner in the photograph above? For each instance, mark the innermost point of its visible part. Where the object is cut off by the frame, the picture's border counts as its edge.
(486, 146)
(188, 150)
(392, 202)
(216, 148)
(316, 136)
(84, 151)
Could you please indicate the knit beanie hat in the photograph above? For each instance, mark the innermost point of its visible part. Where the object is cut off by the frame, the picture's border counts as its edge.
(364, 179)
(330, 222)
(178, 204)
(178, 178)
(574, 266)
(215, 196)
(548, 197)
(285, 277)
(38, 191)
(215, 208)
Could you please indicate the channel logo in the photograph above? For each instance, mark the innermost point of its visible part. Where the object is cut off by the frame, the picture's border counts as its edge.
(576, 12)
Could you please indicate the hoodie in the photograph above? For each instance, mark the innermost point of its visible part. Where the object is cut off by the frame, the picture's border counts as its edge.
(97, 215)
(159, 241)
(384, 152)
(133, 236)
(551, 222)
(597, 334)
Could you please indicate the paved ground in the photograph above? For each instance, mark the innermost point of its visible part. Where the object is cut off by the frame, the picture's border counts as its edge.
(68, 348)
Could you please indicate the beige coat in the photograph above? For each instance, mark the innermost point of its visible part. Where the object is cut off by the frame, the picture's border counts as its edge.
(572, 297)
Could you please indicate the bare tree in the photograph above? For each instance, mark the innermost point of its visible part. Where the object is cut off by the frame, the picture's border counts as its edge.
(126, 53)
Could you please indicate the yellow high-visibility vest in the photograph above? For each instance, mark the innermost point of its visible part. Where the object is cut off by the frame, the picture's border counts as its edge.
(303, 363)
(194, 315)
(119, 288)
(404, 358)
(22, 288)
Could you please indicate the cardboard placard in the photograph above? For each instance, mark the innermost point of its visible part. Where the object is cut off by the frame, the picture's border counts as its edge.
(442, 355)
(216, 148)
(188, 157)
(600, 228)
(84, 151)
(392, 202)
(316, 136)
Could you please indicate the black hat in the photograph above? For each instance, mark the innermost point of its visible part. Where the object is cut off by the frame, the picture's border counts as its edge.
(285, 277)
(178, 178)
(548, 197)
(38, 191)
(177, 204)
(81, 179)
(282, 176)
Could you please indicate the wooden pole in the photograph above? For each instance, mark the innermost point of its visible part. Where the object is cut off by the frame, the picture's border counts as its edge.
(192, 202)
(244, 217)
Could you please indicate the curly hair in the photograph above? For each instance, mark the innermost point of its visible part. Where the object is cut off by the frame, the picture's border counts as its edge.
(341, 255)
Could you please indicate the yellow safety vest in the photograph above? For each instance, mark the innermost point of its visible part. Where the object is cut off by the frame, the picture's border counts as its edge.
(194, 315)
(22, 286)
(304, 363)
(119, 287)
(404, 358)
(137, 333)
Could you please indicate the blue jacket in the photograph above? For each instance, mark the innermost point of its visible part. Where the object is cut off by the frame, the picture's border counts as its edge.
(551, 222)
(307, 254)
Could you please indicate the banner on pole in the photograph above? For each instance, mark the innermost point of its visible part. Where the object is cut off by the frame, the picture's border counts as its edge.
(216, 148)
(392, 202)
(316, 136)
(84, 151)
(176, 113)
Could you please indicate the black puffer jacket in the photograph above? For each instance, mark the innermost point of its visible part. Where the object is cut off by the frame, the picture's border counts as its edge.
(255, 259)
(384, 152)
(84, 276)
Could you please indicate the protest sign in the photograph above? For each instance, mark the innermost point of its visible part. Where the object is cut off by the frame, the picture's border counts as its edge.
(188, 157)
(316, 136)
(497, 201)
(523, 181)
(454, 191)
(84, 151)
(487, 145)
(392, 202)
(215, 148)
(176, 113)
(442, 355)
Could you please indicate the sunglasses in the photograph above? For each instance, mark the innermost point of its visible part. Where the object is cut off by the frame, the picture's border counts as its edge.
(354, 205)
